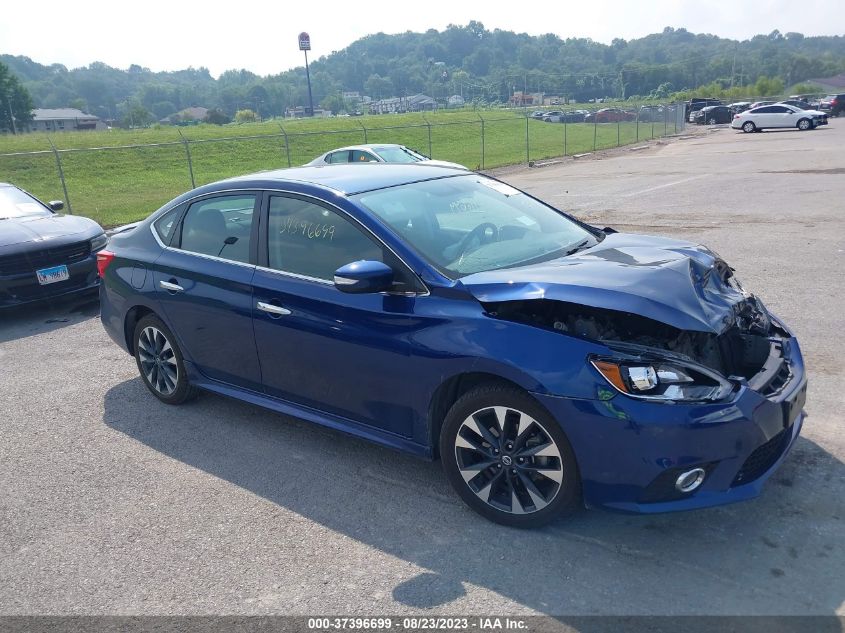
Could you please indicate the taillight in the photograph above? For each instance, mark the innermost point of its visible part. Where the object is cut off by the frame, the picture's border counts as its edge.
(103, 260)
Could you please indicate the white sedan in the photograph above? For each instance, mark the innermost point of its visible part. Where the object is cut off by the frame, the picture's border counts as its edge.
(378, 153)
(778, 115)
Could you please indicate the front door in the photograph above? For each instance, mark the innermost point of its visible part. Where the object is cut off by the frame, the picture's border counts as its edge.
(344, 354)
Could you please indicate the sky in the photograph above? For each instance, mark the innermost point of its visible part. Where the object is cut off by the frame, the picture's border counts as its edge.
(261, 36)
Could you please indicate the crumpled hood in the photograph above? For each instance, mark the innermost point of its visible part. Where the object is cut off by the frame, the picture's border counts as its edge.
(61, 228)
(678, 283)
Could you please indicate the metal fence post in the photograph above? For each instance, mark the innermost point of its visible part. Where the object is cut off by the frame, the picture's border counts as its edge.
(287, 145)
(665, 112)
(527, 142)
(365, 130)
(482, 138)
(595, 128)
(190, 162)
(428, 124)
(618, 128)
(61, 175)
(564, 133)
(676, 119)
(638, 124)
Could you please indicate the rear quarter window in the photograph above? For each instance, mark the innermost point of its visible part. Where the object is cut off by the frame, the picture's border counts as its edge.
(165, 226)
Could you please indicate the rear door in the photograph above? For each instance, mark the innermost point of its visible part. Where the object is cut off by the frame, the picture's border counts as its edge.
(203, 282)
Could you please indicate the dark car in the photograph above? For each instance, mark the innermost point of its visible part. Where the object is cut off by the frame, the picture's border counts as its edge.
(447, 314)
(609, 115)
(798, 103)
(711, 115)
(652, 114)
(44, 254)
(696, 103)
(833, 104)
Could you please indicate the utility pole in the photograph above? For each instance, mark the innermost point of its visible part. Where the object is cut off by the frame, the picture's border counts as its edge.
(733, 66)
(305, 46)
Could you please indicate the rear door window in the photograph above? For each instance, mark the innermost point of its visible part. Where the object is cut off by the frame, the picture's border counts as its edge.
(219, 227)
(338, 157)
(359, 156)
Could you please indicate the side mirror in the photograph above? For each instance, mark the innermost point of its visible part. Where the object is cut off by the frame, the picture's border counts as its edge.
(363, 277)
(609, 230)
(56, 205)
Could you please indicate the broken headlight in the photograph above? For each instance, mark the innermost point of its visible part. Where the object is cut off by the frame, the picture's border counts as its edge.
(671, 381)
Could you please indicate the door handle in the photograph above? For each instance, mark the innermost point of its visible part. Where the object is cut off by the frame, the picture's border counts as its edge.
(170, 286)
(273, 309)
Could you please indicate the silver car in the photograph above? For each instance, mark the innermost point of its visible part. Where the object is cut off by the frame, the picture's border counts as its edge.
(377, 153)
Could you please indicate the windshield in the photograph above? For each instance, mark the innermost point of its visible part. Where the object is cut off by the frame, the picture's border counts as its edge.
(469, 224)
(398, 155)
(14, 203)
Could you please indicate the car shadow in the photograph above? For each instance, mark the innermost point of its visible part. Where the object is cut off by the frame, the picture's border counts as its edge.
(36, 318)
(774, 555)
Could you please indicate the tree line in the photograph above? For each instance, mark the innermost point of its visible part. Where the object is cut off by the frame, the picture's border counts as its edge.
(484, 66)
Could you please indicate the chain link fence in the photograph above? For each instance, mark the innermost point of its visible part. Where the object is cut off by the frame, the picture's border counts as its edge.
(119, 184)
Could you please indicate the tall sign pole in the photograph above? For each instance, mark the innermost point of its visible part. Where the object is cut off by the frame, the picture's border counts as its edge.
(305, 46)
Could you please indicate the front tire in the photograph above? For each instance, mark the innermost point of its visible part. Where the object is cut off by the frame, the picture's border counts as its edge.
(748, 126)
(712, 121)
(805, 124)
(507, 458)
(160, 362)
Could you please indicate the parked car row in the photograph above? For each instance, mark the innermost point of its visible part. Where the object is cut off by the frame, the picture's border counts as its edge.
(605, 115)
(760, 115)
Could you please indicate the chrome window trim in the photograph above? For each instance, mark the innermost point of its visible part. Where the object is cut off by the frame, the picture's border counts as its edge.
(285, 273)
(154, 218)
(211, 257)
(355, 221)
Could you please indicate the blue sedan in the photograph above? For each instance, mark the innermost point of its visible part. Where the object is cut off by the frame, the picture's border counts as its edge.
(545, 362)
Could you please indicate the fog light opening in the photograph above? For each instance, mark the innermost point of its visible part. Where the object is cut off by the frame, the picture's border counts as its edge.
(690, 480)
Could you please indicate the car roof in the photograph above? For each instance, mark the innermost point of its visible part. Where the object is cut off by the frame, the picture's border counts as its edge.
(365, 146)
(349, 178)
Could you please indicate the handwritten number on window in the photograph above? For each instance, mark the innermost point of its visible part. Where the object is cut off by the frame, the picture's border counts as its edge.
(312, 230)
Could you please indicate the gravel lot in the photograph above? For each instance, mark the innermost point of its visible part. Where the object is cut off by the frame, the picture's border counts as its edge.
(111, 502)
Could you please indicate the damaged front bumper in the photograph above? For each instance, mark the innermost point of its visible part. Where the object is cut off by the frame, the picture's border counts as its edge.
(630, 451)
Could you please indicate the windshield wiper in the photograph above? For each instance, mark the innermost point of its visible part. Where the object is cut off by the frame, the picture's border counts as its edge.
(577, 247)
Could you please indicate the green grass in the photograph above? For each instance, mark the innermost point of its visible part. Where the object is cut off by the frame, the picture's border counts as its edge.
(121, 181)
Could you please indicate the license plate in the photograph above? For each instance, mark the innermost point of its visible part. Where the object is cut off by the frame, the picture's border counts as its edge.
(52, 275)
(793, 406)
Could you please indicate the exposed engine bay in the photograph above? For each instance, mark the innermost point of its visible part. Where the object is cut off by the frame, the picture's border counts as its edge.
(740, 350)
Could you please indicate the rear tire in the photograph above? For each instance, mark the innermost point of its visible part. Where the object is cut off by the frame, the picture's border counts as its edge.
(160, 362)
(748, 126)
(712, 121)
(507, 458)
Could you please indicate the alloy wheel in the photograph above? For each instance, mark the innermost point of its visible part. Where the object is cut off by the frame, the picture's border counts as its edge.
(508, 460)
(158, 360)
